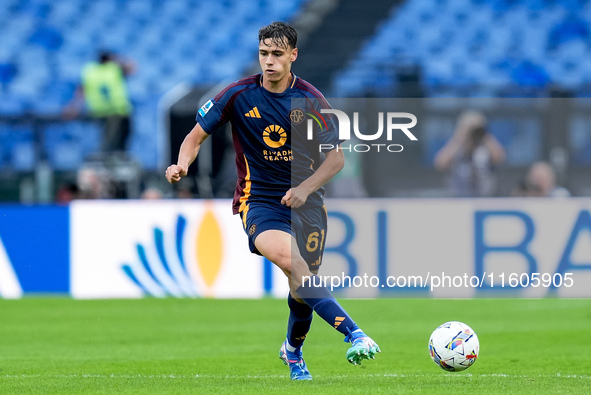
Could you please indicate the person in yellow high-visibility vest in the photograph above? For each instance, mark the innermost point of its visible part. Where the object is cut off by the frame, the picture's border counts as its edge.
(104, 89)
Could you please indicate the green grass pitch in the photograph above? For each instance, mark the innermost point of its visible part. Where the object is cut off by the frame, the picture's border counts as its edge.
(59, 345)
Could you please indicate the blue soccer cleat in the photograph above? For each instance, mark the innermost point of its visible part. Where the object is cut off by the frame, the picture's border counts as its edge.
(295, 361)
(363, 347)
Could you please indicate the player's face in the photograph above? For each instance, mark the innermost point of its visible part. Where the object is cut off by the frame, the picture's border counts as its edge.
(275, 60)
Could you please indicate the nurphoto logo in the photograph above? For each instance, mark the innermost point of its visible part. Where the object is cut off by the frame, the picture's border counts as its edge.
(391, 119)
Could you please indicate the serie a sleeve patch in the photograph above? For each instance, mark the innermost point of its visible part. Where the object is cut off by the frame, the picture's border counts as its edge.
(206, 107)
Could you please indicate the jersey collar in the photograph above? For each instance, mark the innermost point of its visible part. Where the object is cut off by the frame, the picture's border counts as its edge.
(289, 88)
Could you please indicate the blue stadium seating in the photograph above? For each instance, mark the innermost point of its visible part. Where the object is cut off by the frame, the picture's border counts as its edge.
(477, 47)
(45, 44)
(17, 151)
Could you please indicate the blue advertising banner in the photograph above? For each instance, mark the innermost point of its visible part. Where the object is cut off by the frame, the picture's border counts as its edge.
(440, 248)
(34, 250)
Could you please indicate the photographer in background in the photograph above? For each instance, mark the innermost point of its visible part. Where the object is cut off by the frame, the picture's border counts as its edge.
(540, 181)
(469, 157)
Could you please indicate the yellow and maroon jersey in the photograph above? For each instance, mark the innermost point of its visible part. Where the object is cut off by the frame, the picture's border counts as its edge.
(272, 153)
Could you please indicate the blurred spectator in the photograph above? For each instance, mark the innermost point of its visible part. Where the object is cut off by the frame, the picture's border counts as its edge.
(67, 192)
(185, 193)
(152, 194)
(104, 89)
(94, 184)
(470, 156)
(185, 189)
(540, 181)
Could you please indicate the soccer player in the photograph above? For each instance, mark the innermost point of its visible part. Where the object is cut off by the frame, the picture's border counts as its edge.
(285, 223)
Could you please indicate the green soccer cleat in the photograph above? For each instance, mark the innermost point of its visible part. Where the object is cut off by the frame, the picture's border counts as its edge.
(363, 347)
(297, 366)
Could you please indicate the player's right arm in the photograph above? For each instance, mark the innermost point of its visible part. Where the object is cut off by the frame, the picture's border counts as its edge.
(211, 116)
(187, 154)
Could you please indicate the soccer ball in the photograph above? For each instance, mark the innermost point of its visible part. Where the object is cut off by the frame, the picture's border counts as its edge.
(454, 346)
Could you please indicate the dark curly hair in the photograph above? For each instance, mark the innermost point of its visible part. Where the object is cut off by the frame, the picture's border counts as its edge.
(280, 34)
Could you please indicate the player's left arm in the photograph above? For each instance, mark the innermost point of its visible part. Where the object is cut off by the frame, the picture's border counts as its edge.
(334, 162)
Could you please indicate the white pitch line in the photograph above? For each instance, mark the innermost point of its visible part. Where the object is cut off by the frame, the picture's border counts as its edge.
(276, 376)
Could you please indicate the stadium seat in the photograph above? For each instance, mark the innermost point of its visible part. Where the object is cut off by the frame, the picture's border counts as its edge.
(471, 44)
(45, 45)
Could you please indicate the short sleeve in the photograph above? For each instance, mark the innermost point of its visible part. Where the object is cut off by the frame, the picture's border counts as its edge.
(209, 116)
(216, 111)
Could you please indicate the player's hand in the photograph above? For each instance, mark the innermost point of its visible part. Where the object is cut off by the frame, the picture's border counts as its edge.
(295, 197)
(174, 173)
